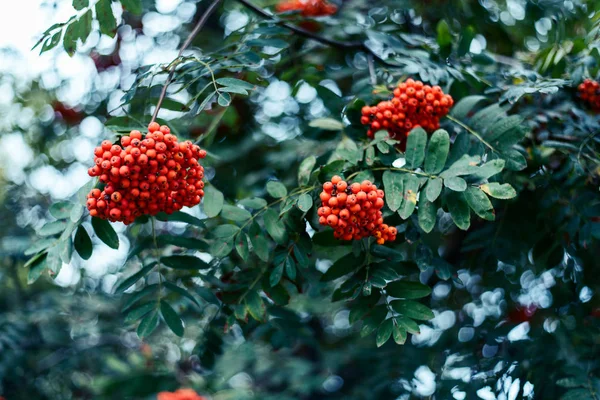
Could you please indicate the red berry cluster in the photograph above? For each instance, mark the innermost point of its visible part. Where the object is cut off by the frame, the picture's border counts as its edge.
(589, 91)
(308, 8)
(146, 175)
(181, 394)
(414, 104)
(354, 211)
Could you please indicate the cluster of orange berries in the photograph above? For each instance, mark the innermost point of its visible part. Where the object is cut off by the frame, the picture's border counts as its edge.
(414, 104)
(146, 175)
(354, 211)
(181, 394)
(589, 91)
(308, 8)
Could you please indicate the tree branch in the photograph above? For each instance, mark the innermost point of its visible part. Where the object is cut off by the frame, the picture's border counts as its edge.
(357, 45)
(185, 45)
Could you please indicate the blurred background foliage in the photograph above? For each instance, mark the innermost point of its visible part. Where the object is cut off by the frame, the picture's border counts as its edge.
(514, 301)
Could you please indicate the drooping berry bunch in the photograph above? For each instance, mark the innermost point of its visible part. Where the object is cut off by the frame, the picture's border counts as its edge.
(354, 211)
(181, 394)
(414, 104)
(589, 91)
(308, 8)
(146, 175)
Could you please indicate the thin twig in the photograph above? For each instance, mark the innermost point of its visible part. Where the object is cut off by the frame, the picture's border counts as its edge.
(187, 42)
(358, 45)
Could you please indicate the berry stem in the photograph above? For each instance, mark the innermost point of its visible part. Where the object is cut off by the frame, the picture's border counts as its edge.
(188, 41)
(265, 208)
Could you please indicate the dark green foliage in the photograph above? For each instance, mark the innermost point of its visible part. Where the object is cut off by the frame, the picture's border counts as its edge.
(247, 295)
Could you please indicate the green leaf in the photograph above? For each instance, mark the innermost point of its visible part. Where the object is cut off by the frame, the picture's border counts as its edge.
(275, 227)
(399, 334)
(499, 191)
(577, 394)
(290, 267)
(238, 83)
(427, 214)
(52, 228)
(480, 203)
(262, 42)
(259, 242)
(287, 205)
(213, 201)
(459, 209)
(408, 324)
(76, 213)
(410, 190)
(255, 305)
(140, 294)
(225, 231)
(407, 289)
(181, 291)
(53, 261)
(180, 216)
(276, 274)
(106, 19)
(133, 6)
(253, 202)
(207, 295)
(184, 262)
(465, 165)
(455, 183)
(572, 382)
(412, 309)
(444, 37)
(139, 311)
(487, 116)
(343, 266)
(147, 325)
(181, 241)
(415, 148)
(393, 183)
(36, 269)
(171, 317)
(83, 243)
(224, 99)
(433, 188)
(39, 245)
(52, 42)
(515, 161)
(488, 170)
(276, 189)
(503, 126)
(241, 246)
(301, 256)
(80, 4)
(384, 332)
(328, 124)
(387, 253)
(127, 283)
(437, 152)
(234, 213)
(305, 169)
(464, 107)
(66, 250)
(305, 202)
(105, 232)
(61, 210)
